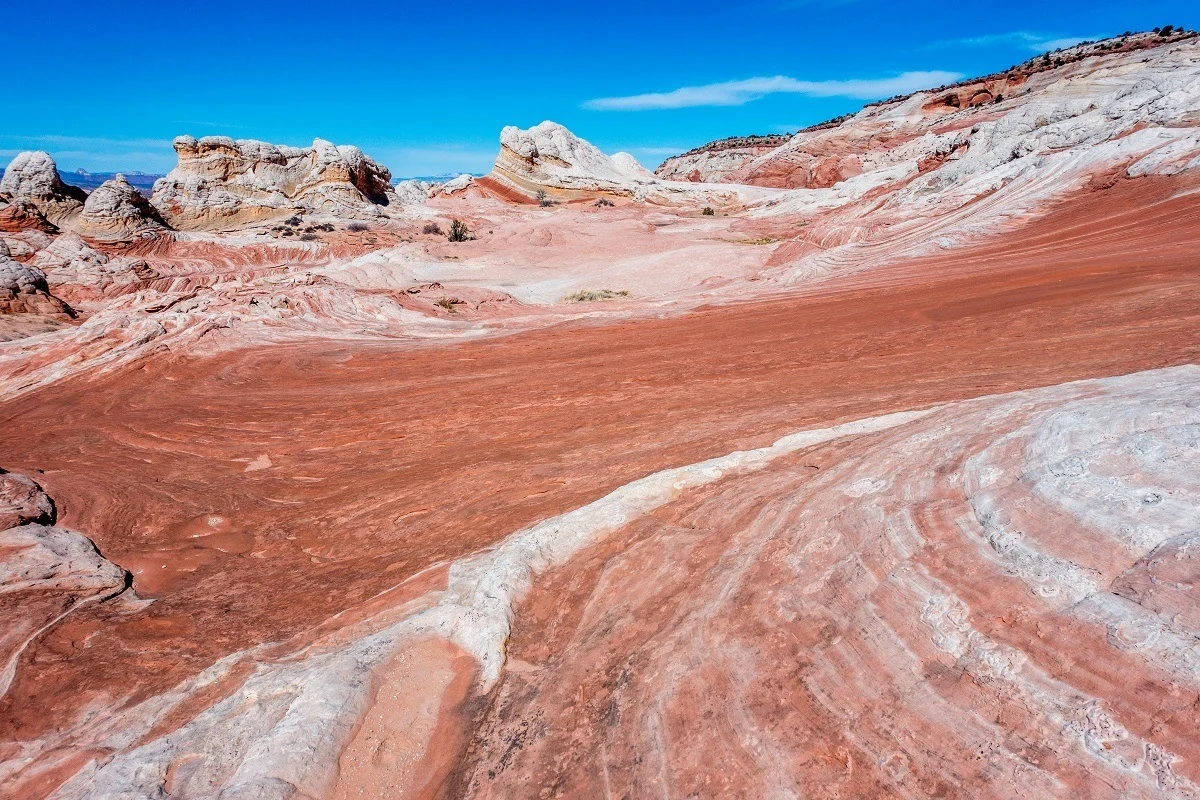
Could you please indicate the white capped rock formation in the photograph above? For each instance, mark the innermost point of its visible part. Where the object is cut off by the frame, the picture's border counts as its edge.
(33, 176)
(116, 210)
(222, 183)
(548, 157)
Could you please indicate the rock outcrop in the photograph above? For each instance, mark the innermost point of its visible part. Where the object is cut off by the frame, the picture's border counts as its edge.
(76, 271)
(21, 214)
(713, 162)
(1077, 98)
(221, 183)
(46, 572)
(549, 158)
(117, 210)
(23, 289)
(992, 601)
(22, 501)
(33, 176)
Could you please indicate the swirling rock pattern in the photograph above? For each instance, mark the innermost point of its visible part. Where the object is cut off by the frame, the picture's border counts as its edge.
(994, 601)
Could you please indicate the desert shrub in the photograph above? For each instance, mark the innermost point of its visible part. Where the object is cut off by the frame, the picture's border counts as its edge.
(458, 231)
(448, 303)
(1166, 31)
(358, 227)
(432, 227)
(308, 237)
(603, 202)
(592, 295)
(708, 212)
(293, 221)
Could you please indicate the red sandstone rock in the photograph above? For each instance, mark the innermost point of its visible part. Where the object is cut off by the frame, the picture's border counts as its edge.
(411, 524)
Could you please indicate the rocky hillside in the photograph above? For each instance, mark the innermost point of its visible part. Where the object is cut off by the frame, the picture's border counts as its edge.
(831, 152)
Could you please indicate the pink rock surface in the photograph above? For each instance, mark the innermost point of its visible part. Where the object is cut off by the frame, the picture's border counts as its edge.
(622, 497)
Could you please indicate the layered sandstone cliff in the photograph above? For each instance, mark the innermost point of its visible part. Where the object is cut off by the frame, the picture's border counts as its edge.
(222, 183)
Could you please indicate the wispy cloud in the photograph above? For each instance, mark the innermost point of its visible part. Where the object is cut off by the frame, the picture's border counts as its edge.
(736, 93)
(1030, 40)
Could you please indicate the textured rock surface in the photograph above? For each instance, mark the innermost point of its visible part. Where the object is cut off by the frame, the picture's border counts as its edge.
(33, 176)
(23, 289)
(1108, 91)
(412, 525)
(22, 501)
(549, 160)
(220, 183)
(854, 621)
(116, 210)
(20, 214)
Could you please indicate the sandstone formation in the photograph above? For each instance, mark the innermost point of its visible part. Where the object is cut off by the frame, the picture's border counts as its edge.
(23, 289)
(549, 158)
(853, 619)
(33, 176)
(45, 572)
(1084, 95)
(20, 214)
(22, 501)
(76, 271)
(877, 481)
(713, 162)
(116, 210)
(221, 183)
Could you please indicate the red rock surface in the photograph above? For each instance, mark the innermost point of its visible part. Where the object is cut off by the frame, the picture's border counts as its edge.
(807, 508)
(354, 467)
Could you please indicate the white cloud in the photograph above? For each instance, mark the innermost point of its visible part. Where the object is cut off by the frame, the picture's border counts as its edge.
(736, 93)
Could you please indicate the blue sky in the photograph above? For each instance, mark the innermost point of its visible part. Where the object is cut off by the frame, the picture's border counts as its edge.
(425, 88)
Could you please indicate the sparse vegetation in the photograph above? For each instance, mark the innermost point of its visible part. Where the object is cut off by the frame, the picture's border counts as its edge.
(458, 231)
(309, 237)
(592, 295)
(448, 303)
(292, 221)
(708, 211)
(358, 227)
(542, 200)
(432, 227)
(603, 202)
